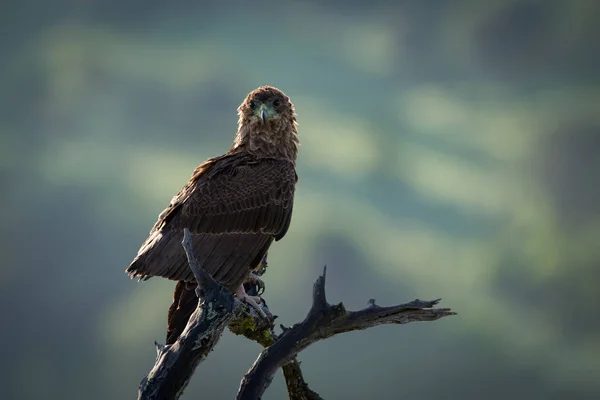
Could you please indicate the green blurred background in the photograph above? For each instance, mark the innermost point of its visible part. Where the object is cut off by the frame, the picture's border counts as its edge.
(449, 149)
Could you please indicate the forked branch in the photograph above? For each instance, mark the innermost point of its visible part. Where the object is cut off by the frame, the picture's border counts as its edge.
(175, 364)
(323, 321)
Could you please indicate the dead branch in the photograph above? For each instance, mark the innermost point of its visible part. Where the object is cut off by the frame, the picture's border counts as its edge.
(176, 363)
(323, 321)
(296, 385)
(248, 323)
(217, 309)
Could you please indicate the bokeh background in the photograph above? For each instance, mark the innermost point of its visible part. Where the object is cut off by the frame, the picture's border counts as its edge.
(449, 149)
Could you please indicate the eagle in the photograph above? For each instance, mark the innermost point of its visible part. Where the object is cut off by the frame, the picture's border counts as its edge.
(235, 205)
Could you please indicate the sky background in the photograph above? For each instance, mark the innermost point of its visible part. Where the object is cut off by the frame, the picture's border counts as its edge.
(448, 149)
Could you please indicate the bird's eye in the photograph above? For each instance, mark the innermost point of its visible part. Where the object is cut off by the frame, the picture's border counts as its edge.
(252, 104)
(276, 103)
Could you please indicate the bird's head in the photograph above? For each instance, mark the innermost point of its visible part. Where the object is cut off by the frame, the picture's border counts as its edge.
(266, 106)
(267, 124)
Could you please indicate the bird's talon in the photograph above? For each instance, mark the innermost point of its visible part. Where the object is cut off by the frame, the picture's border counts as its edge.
(252, 301)
(256, 280)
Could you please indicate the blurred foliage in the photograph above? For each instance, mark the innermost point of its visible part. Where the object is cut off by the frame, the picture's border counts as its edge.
(449, 149)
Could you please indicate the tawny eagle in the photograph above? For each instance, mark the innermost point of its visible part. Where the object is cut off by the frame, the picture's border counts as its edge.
(235, 205)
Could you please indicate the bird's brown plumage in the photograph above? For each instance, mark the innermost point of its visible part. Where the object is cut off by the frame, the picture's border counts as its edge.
(234, 205)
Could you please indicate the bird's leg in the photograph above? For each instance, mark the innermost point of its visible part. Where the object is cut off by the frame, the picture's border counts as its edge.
(252, 301)
(254, 279)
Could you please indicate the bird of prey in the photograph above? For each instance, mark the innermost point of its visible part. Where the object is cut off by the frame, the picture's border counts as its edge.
(235, 205)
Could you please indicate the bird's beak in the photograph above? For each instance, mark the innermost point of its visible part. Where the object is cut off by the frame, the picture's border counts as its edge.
(263, 113)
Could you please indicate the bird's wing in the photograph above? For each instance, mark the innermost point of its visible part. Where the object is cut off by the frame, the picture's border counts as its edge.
(235, 195)
(235, 205)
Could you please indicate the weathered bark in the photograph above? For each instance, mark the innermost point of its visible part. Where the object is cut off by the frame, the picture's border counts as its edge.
(296, 385)
(218, 309)
(176, 363)
(323, 321)
(249, 324)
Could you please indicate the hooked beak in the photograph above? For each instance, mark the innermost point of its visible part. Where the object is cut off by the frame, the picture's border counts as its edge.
(263, 113)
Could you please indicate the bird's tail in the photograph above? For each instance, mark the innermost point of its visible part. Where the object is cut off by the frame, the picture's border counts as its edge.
(185, 302)
(161, 255)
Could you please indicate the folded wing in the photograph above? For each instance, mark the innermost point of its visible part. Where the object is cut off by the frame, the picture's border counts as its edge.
(235, 206)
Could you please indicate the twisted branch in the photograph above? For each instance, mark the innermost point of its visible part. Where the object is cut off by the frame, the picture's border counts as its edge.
(217, 309)
(175, 364)
(323, 321)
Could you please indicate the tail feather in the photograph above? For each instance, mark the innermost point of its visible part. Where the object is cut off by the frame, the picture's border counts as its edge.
(185, 302)
(160, 255)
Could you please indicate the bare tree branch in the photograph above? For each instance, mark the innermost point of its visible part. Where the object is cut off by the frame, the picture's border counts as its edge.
(217, 309)
(323, 321)
(246, 325)
(296, 385)
(247, 322)
(175, 364)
